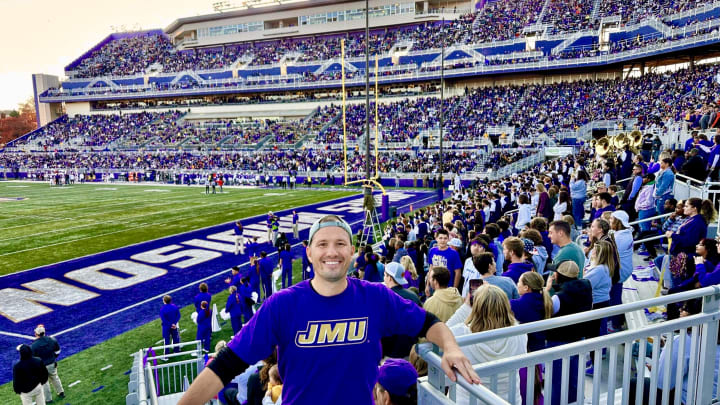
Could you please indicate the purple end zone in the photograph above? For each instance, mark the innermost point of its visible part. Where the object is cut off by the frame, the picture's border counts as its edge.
(77, 326)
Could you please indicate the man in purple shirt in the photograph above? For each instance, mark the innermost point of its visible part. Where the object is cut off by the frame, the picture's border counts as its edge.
(327, 331)
(444, 256)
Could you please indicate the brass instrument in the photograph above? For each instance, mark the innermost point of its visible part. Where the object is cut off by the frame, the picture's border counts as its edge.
(620, 140)
(603, 146)
(636, 140)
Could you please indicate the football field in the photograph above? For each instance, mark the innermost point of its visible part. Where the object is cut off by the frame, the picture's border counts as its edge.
(92, 261)
(41, 225)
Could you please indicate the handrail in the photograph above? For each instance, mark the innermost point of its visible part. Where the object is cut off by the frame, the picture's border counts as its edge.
(704, 327)
(650, 218)
(616, 338)
(482, 337)
(480, 391)
(153, 400)
(142, 381)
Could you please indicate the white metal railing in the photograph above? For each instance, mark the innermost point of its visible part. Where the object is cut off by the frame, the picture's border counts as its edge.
(150, 380)
(702, 338)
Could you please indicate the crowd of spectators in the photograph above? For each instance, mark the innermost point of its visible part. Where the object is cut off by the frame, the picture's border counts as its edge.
(531, 109)
(636, 11)
(301, 160)
(496, 21)
(466, 117)
(570, 15)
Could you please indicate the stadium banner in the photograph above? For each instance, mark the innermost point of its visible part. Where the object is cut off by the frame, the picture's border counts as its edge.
(88, 300)
(554, 151)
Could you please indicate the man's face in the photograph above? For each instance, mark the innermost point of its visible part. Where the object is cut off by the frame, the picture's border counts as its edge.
(442, 240)
(330, 252)
(667, 207)
(637, 171)
(506, 252)
(476, 249)
(554, 235)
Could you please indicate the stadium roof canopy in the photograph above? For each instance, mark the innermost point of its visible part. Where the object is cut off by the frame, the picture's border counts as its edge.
(251, 7)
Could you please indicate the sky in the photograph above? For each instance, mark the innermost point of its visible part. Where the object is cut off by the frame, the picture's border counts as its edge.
(43, 36)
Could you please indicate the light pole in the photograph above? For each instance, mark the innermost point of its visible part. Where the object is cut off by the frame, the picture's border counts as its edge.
(442, 104)
(368, 191)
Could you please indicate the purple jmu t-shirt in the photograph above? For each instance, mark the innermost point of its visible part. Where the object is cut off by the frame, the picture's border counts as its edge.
(328, 347)
(448, 258)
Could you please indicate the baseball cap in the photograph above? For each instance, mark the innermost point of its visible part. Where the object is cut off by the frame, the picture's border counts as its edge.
(455, 242)
(40, 329)
(529, 245)
(397, 376)
(326, 221)
(397, 272)
(568, 268)
(623, 217)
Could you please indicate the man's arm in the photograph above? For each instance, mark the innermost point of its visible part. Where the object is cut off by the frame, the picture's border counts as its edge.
(458, 275)
(453, 358)
(219, 372)
(205, 386)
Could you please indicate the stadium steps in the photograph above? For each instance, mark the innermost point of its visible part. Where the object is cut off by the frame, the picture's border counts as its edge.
(569, 40)
(658, 25)
(595, 10)
(543, 11)
(520, 102)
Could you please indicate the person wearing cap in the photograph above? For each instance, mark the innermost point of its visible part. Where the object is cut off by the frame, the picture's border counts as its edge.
(326, 330)
(623, 236)
(559, 233)
(514, 251)
(394, 279)
(398, 345)
(572, 295)
(29, 377)
(445, 300)
(47, 349)
(444, 256)
(396, 384)
(477, 246)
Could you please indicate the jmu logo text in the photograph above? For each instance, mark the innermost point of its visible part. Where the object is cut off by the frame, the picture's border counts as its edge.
(333, 333)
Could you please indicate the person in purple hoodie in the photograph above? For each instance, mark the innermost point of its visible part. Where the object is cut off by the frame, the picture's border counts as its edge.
(514, 251)
(266, 266)
(204, 325)
(235, 307)
(203, 295)
(169, 317)
(533, 305)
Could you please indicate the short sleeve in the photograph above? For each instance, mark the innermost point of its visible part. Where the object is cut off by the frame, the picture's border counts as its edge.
(399, 316)
(256, 340)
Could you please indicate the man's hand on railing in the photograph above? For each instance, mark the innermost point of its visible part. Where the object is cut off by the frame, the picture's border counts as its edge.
(453, 360)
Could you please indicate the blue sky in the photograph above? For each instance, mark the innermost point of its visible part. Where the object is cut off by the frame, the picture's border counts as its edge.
(43, 36)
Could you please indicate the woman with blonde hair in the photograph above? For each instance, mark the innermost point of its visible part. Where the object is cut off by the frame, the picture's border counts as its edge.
(488, 309)
(411, 274)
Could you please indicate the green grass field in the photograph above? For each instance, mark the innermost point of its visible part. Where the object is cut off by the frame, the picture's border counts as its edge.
(56, 224)
(60, 223)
